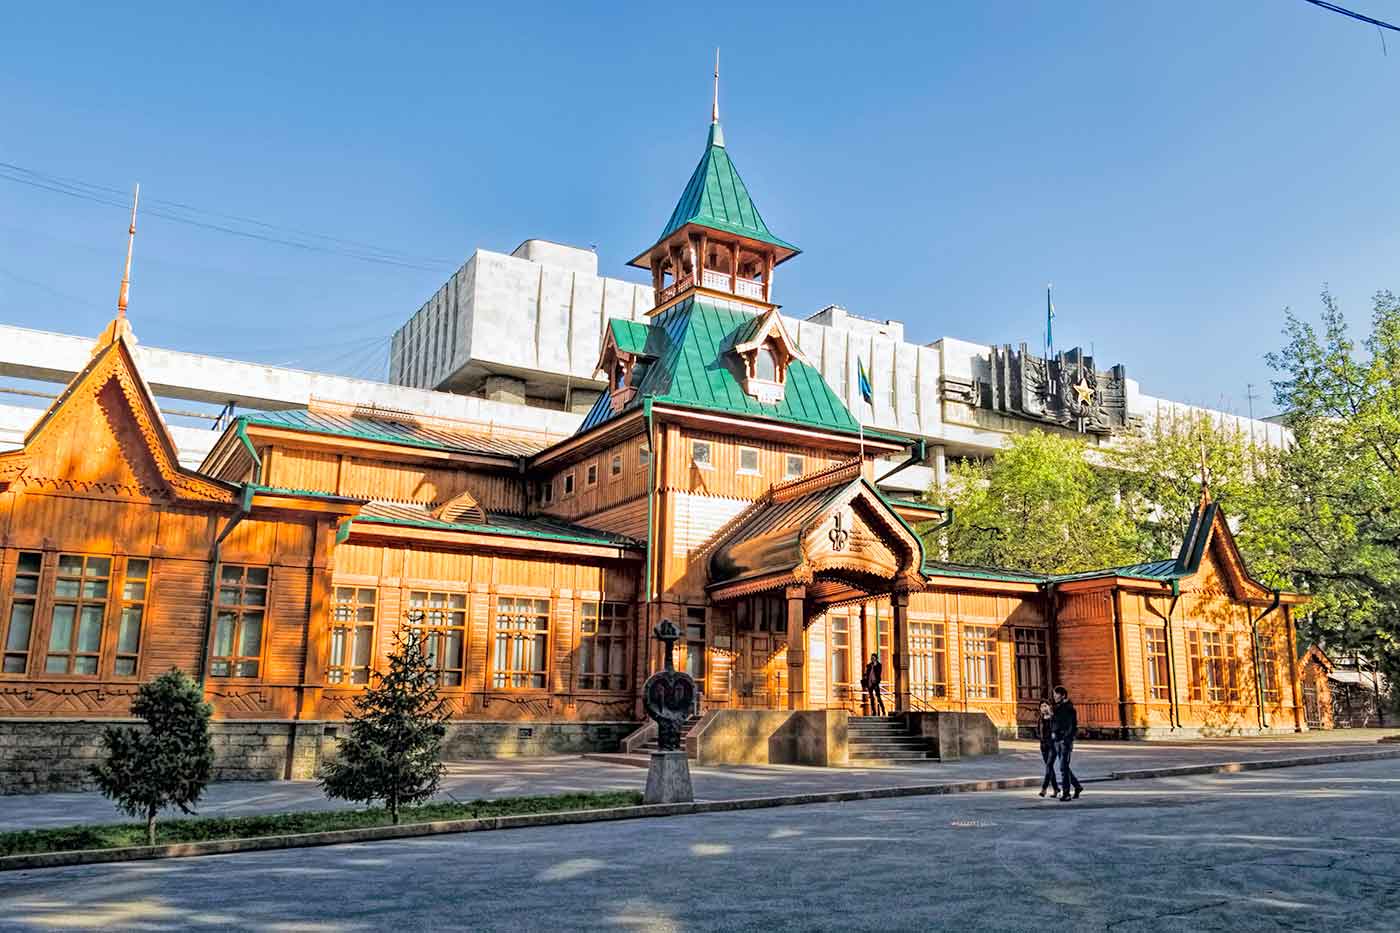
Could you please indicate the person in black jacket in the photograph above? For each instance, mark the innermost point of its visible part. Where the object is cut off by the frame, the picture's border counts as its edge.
(1047, 748)
(1064, 726)
(870, 680)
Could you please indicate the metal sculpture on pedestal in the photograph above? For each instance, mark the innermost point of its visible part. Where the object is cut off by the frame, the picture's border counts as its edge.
(669, 697)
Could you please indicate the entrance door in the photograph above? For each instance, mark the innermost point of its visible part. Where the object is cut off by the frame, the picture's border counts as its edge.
(755, 687)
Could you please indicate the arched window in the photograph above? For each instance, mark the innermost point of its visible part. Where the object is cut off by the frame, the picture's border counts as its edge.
(765, 365)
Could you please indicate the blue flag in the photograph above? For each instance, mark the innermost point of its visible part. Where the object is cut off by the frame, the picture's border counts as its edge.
(863, 383)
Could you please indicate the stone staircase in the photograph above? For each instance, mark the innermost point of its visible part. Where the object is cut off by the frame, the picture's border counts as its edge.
(884, 740)
(649, 746)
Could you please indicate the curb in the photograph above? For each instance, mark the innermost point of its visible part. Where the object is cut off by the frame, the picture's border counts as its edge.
(1236, 766)
(644, 811)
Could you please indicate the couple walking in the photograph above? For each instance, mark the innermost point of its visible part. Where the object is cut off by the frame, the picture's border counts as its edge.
(1059, 724)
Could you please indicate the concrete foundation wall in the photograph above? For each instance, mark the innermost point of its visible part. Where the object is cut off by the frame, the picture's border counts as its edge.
(45, 755)
(749, 737)
(956, 735)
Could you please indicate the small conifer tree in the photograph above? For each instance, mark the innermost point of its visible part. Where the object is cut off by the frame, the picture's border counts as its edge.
(168, 763)
(393, 751)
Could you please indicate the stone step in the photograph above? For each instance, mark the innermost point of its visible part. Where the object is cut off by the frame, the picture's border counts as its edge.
(858, 761)
(904, 742)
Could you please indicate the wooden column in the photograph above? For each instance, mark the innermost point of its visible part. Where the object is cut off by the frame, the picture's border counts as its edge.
(768, 276)
(318, 622)
(1300, 723)
(899, 649)
(796, 657)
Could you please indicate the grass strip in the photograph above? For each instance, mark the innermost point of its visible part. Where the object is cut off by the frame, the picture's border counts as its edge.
(201, 829)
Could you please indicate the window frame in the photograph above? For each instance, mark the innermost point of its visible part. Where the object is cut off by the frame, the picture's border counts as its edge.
(80, 602)
(989, 655)
(749, 471)
(127, 603)
(1155, 663)
(570, 485)
(508, 635)
(1039, 660)
(233, 660)
(547, 492)
(788, 462)
(590, 475)
(453, 603)
(688, 621)
(615, 468)
(351, 627)
(1268, 670)
(839, 645)
(31, 599)
(619, 615)
(928, 653)
(708, 462)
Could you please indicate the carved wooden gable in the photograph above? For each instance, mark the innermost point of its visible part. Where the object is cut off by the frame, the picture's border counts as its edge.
(104, 436)
(859, 533)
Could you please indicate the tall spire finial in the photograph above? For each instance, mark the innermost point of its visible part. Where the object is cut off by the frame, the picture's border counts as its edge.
(126, 271)
(714, 108)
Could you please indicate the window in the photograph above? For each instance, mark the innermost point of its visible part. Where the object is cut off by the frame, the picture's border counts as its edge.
(590, 476)
(619, 376)
(1156, 644)
(441, 620)
(980, 661)
(695, 645)
(522, 643)
(568, 484)
(928, 659)
(615, 470)
(793, 466)
(1032, 664)
(1233, 655)
(80, 603)
(1268, 668)
(604, 631)
(840, 623)
(748, 460)
(136, 581)
(547, 492)
(21, 621)
(643, 456)
(352, 635)
(700, 452)
(1208, 665)
(238, 624)
(765, 365)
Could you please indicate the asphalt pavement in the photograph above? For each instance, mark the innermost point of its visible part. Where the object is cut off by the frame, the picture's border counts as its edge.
(1310, 848)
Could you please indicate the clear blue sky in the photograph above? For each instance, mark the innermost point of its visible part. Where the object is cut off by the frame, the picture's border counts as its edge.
(1181, 171)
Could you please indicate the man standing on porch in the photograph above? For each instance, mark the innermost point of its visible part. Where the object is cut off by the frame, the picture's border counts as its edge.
(870, 680)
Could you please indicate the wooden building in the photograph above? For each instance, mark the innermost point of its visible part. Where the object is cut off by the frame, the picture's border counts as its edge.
(720, 483)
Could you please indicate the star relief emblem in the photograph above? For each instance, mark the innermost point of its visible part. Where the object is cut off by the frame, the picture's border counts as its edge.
(1084, 393)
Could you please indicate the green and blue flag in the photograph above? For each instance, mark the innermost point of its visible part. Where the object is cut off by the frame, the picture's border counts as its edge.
(863, 383)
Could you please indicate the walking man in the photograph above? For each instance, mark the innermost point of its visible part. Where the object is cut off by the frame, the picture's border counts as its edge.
(1064, 727)
(870, 680)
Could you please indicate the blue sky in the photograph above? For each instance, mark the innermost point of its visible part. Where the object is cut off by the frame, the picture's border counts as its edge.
(1181, 171)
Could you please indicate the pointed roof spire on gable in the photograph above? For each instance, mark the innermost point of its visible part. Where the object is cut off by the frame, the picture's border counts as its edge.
(717, 198)
(120, 326)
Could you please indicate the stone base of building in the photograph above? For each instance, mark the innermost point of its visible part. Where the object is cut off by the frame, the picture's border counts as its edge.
(50, 755)
(1162, 733)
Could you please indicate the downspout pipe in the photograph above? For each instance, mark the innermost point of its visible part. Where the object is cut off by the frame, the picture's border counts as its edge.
(644, 643)
(242, 432)
(1258, 675)
(918, 453)
(1173, 701)
(245, 505)
(1120, 663)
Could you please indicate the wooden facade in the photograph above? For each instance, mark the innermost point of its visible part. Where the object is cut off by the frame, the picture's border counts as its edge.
(720, 485)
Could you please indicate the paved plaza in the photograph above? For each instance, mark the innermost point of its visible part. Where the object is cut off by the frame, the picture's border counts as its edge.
(472, 780)
(1307, 848)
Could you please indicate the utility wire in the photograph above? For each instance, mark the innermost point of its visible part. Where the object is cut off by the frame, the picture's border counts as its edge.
(1361, 17)
(97, 194)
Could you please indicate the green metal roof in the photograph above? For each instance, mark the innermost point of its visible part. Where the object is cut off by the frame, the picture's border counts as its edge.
(511, 526)
(716, 197)
(426, 436)
(694, 368)
(631, 336)
(943, 568)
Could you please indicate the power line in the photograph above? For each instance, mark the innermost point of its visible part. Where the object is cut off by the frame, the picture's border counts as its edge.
(100, 195)
(1353, 14)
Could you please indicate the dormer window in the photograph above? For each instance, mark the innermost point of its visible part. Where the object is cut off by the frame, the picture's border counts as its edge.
(765, 365)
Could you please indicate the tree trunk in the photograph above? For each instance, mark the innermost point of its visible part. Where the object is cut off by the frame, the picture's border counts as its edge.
(150, 826)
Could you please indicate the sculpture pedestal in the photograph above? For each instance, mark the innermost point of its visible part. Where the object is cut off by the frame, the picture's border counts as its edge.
(668, 779)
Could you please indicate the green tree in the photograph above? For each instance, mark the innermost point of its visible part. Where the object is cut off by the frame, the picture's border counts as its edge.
(393, 751)
(1037, 505)
(1159, 473)
(170, 762)
(1342, 474)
